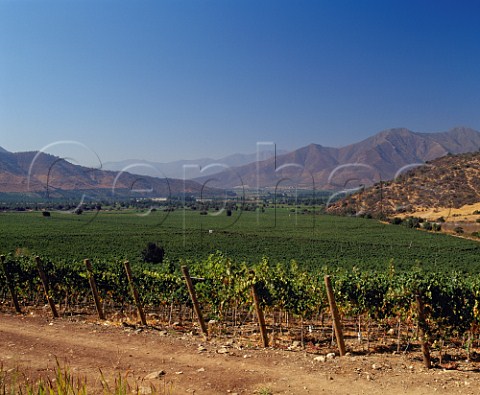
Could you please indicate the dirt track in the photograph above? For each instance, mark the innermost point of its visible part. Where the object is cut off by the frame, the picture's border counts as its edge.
(33, 343)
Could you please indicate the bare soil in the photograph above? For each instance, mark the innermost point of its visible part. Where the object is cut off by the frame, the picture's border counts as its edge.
(34, 343)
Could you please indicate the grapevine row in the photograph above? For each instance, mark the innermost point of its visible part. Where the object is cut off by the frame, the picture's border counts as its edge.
(451, 301)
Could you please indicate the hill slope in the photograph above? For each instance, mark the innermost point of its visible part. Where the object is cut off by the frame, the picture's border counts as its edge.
(452, 181)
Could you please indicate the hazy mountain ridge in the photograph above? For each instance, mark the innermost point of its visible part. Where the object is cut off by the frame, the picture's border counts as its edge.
(452, 181)
(176, 169)
(49, 175)
(376, 158)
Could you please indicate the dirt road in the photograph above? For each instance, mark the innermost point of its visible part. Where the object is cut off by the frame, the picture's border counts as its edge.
(33, 343)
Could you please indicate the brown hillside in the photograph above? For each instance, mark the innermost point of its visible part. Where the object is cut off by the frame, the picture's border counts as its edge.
(450, 182)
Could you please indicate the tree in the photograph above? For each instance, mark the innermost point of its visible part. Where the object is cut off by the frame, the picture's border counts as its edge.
(153, 253)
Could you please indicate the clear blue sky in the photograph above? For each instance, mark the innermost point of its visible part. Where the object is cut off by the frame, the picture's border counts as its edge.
(164, 80)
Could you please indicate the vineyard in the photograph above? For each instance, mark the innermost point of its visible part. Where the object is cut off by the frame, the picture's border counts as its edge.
(311, 239)
(374, 306)
(396, 289)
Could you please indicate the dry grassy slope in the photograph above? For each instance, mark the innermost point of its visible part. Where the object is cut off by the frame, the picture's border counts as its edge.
(443, 185)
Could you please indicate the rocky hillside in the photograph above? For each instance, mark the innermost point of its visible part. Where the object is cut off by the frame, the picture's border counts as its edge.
(452, 181)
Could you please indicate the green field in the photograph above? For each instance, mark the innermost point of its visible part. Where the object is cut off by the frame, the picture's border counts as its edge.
(314, 241)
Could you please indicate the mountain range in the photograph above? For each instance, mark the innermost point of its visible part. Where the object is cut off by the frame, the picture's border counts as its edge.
(376, 158)
(46, 175)
(379, 157)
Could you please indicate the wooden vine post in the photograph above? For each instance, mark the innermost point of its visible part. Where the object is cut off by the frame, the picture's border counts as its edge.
(46, 288)
(11, 286)
(136, 296)
(193, 296)
(337, 324)
(260, 316)
(93, 287)
(423, 331)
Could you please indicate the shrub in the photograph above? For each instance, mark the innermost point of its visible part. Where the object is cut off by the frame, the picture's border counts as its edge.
(436, 227)
(427, 226)
(412, 222)
(153, 253)
(396, 221)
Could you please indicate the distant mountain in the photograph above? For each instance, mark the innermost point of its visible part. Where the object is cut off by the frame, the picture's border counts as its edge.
(176, 169)
(452, 181)
(376, 158)
(46, 175)
(380, 157)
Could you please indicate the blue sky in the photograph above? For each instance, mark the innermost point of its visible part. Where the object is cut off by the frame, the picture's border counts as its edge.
(166, 80)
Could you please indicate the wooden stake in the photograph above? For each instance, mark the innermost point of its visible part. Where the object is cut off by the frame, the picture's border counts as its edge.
(399, 333)
(46, 288)
(136, 297)
(93, 287)
(423, 332)
(260, 316)
(193, 296)
(337, 324)
(11, 286)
